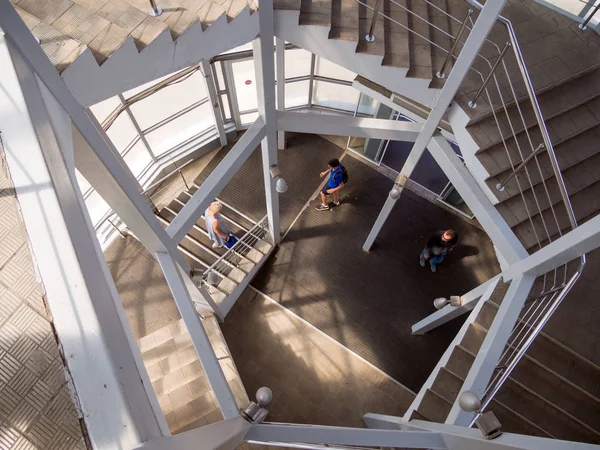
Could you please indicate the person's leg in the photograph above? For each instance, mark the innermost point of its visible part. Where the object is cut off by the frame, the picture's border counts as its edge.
(423, 257)
(436, 260)
(323, 206)
(336, 197)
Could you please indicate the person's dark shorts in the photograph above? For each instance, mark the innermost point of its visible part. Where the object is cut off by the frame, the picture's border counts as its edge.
(324, 190)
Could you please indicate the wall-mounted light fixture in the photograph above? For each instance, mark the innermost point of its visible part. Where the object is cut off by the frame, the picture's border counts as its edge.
(455, 300)
(280, 185)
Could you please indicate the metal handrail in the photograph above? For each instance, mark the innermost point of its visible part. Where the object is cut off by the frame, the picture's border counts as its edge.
(473, 102)
(252, 233)
(583, 26)
(557, 295)
(177, 169)
(502, 185)
(441, 73)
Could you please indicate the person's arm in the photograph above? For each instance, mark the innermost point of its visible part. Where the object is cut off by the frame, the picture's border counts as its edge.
(217, 230)
(322, 174)
(454, 242)
(332, 190)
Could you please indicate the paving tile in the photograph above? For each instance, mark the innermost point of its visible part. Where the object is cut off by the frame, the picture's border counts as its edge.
(193, 371)
(203, 405)
(180, 396)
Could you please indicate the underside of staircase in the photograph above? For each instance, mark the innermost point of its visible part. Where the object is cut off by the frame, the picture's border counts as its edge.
(116, 45)
(553, 392)
(564, 66)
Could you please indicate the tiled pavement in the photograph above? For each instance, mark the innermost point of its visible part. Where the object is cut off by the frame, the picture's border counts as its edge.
(36, 411)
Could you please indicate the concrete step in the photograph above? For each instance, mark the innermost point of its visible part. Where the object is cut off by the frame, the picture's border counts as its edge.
(447, 385)
(377, 47)
(460, 362)
(473, 338)
(420, 47)
(344, 20)
(553, 103)
(440, 35)
(177, 376)
(293, 5)
(434, 407)
(315, 12)
(396, 34)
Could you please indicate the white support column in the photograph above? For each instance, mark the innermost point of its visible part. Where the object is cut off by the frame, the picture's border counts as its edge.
(225, 435)
(216, 181)
(486, 20)
(493, 346)
(208, 359)
(488, 216)
(93, 158)
(449, 312)
(112, 386)
(264, 68)
(315, 434)
(136, 125)
(215, 101)
(348, 126)
(280, 60)
(390, 201)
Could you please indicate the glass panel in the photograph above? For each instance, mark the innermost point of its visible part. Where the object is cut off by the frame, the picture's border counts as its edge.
(83, 183)
(367, 106)
(297, 63)
(245, 84)
(103, 109)
(181, 129)
(248, 119)
(335, 95)
(138, 158)
(122, 132)
(296, 94)
(96, 206)
(170, 100)
(326, 68)
(219, 71)
(225, 105)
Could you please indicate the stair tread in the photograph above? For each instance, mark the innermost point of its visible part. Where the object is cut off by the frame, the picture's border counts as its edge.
(434, 407)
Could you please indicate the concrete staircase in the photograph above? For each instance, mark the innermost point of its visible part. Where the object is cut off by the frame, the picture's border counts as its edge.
(116, 45)
(563, 63)
(236, 270)
(183, 391)
(553, 392)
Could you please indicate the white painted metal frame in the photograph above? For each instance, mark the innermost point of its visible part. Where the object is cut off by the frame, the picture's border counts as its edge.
(492, 347)
(485, 22)
(348, 126)
(87, 311)
(280, 61)
(215, 100)
(314, 434)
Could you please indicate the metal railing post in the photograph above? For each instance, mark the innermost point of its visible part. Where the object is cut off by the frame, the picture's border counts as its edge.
(539, 149)
(154, 9)
(473, 103)
(441, 73)
(370, 37)
(583, 26)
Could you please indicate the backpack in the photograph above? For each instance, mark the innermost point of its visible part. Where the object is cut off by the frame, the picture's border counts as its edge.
(345, 176)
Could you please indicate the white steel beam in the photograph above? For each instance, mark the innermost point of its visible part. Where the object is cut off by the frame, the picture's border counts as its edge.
(488, 216)
(95, 160)
(225, 435)
(264, 69)
(280, 60)
(572, 245)
(299, 122)
(215, 101)
(112, 386)
(449, 312)
(493, 346)
(463, 438)
(216, 181)
(206, 354)
(486, 20)
(314, 434)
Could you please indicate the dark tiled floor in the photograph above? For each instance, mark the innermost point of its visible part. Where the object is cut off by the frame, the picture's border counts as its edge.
(300, 164)
(368, 302)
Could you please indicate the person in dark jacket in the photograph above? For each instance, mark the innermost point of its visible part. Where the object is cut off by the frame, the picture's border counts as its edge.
(438, 245)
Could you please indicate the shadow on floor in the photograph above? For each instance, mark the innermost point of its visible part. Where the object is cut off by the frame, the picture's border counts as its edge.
(368, 301)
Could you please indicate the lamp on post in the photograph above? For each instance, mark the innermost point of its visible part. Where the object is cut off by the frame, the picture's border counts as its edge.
(487, 422)
(455, 300)
(280, 185)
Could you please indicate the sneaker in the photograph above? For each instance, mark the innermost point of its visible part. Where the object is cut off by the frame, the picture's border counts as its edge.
(422, 261)
(433, 268)
(322, 208)
(217, 246)
(336, 203)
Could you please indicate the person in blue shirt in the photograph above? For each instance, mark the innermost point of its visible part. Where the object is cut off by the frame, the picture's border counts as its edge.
(334, 184)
